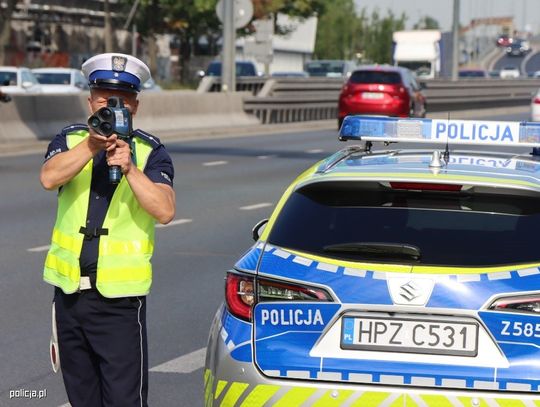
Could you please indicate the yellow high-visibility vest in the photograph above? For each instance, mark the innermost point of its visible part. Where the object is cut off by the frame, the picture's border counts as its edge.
(123, 267)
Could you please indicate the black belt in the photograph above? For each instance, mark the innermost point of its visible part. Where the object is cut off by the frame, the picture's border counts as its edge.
(90, 233)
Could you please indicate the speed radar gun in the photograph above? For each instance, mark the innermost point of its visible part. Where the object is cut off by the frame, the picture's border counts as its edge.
(115, 118)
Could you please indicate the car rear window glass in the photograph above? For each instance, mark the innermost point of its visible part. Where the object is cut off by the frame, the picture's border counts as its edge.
(449, 229)
(323, 68)
(8, 78)
(242, 69)
(52, 78)
(389, 78)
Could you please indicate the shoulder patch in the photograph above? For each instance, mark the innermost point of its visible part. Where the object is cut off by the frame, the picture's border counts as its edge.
(74, 127)
(152, 140)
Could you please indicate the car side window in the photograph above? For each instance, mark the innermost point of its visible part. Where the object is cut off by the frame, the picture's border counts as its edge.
(28, 77)
(8, 78)
(80, 81)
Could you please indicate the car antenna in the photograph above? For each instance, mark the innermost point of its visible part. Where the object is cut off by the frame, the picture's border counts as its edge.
(446, 154)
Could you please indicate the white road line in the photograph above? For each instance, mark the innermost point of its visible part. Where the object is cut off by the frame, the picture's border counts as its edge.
(314, 151)
(214, 163)
(174, 223)
(255, 206)
(184, 364)
(265, 157)
(65, 405)
(39, 248)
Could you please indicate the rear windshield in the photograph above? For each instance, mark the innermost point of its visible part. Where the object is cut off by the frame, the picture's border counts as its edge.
(242, 69)
(389, 78)
(449, 229)
(324, 68)
(52, 78)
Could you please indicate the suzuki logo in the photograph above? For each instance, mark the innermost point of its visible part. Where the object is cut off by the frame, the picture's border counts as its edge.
(407, 290)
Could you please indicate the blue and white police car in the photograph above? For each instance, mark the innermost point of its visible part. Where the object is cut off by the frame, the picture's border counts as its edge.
(407, 277)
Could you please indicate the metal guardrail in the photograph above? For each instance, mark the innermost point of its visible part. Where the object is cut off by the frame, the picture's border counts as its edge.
(243, 84)
(280, 100)
(302, 99)
(471, 94)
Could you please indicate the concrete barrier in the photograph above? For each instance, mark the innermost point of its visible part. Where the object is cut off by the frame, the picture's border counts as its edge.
(174, 111)
(41, 117)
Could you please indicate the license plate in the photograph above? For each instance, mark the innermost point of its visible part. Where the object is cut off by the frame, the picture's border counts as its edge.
(372, 95)
(410, 335)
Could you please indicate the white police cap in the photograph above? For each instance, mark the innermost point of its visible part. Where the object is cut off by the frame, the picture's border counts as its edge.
(116, 71)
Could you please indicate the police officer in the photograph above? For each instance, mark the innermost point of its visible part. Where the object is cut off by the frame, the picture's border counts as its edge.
(102, 242)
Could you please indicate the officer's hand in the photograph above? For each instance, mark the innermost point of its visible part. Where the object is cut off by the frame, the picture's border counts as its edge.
(97, 142)
(120, 155)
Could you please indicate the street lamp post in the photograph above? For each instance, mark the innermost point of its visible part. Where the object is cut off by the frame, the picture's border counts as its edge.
(455, 41)
(108, 28)
(133, 27)
(228, 74)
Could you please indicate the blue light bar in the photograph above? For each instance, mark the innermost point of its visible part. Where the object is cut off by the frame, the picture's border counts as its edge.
(412, 130)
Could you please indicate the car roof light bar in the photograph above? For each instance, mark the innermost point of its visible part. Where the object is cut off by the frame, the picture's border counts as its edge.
(435, 131)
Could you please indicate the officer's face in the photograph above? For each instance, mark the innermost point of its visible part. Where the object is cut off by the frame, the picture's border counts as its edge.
(98, 99)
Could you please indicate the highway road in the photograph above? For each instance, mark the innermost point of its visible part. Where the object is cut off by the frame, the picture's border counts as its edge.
(526, 64)
(223, 188)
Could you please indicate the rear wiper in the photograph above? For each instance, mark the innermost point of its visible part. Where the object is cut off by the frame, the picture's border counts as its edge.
(376, 249)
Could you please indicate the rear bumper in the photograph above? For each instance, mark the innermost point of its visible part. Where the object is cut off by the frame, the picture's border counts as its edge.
(230, 382)
(398, 108)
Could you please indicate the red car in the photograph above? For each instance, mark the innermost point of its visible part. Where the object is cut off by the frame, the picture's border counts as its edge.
(382, 90)
(504, 41)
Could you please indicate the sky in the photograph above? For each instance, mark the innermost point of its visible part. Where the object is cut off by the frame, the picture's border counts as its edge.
(525, 12)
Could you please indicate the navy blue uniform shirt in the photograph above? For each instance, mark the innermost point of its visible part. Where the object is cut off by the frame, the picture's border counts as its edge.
(159, 169)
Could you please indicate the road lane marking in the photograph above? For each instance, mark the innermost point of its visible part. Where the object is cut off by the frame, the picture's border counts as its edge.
(265, 157)
(39, 248)
(187, 363)
(174, 223)
(315, 151)
(255, 206)
(214, 163)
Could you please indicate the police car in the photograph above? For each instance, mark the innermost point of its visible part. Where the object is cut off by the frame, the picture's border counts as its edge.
(392, 278)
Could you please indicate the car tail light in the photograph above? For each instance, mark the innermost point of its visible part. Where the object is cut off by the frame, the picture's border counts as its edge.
(278, 291)
(240, 293)
(536, 100)
(522, 303)
(424, 186)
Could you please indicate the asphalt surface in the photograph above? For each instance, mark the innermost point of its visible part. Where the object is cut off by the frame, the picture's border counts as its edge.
(526, 63)
(223, 186)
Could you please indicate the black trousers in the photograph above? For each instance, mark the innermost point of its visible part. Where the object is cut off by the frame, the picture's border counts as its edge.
(103, 349)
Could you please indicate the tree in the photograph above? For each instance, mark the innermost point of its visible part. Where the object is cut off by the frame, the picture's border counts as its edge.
(343, 34)
(5, 27)
(293, 8)
(427, 23)
(338, 31)
(195, 19)
(378, 36)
